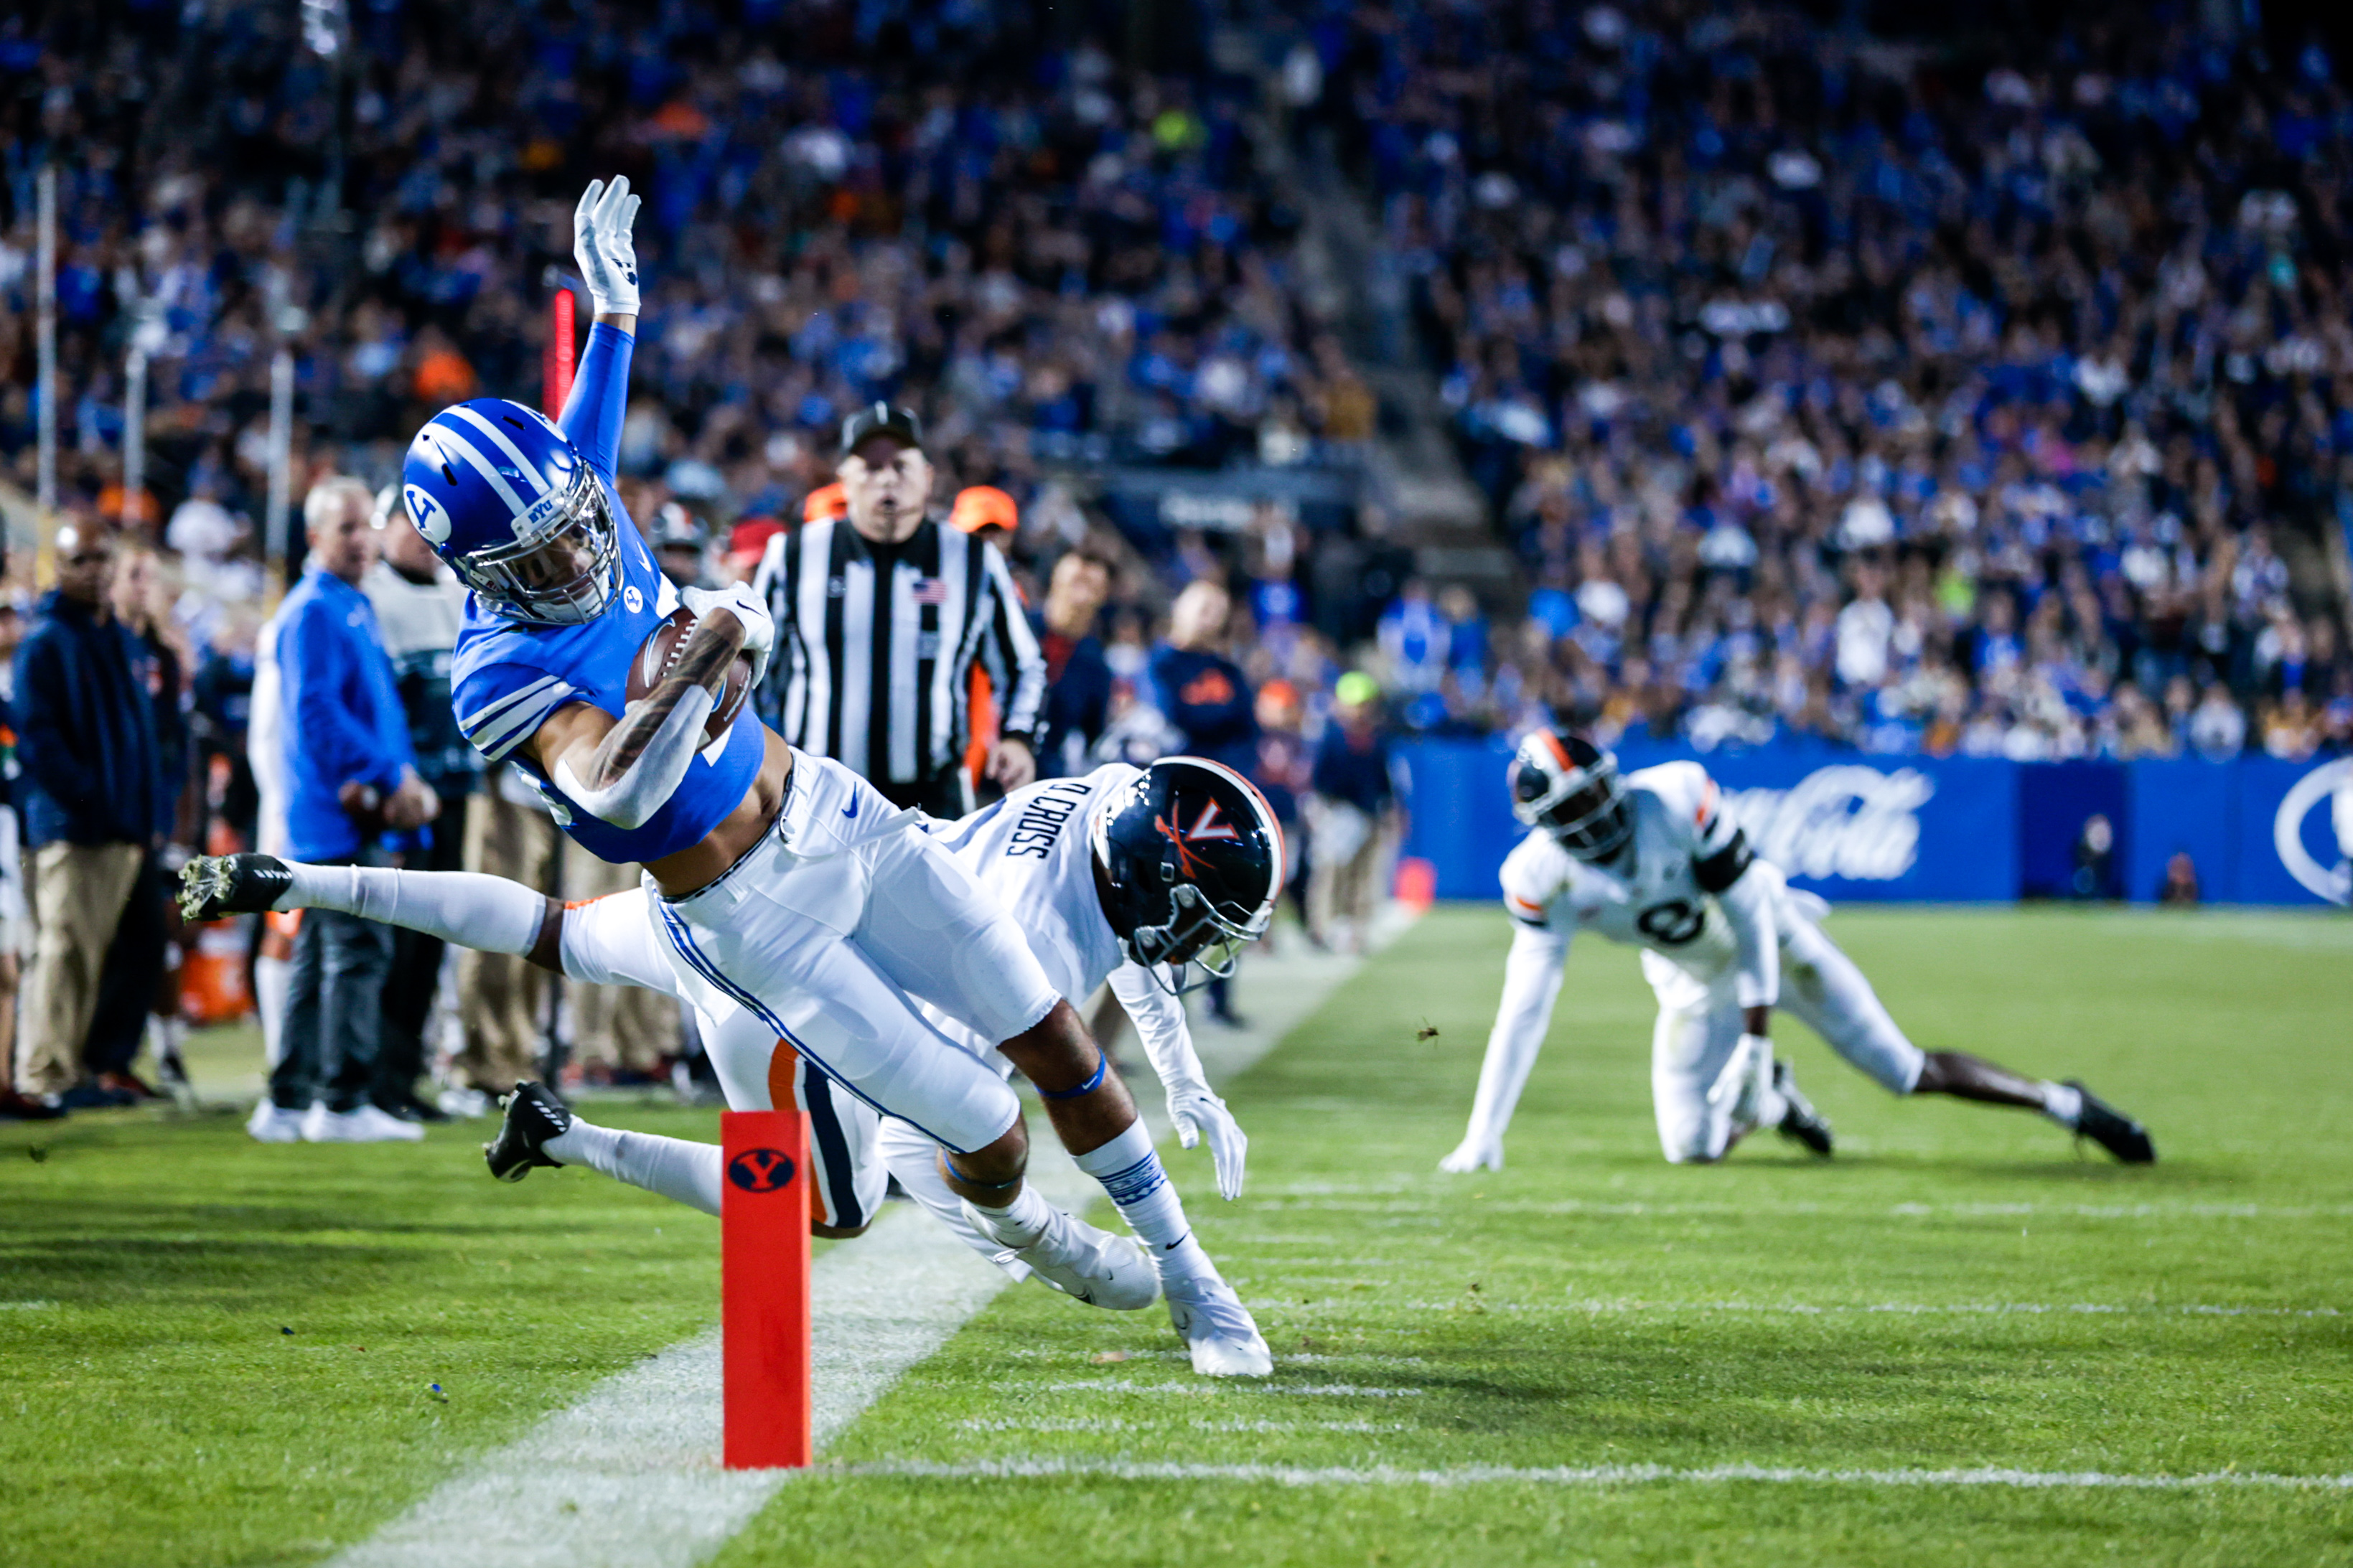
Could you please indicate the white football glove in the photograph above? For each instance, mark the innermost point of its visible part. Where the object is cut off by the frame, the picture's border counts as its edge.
(738, 600)
(1196, 1113)
(602, 246)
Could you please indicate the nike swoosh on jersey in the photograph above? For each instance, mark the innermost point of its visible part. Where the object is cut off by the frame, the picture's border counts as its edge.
(851, 809)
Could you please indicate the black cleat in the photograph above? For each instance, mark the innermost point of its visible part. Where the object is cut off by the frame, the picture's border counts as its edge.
(2112, 1129)
(1801, 1123)
(212, 886)
(533, 1115)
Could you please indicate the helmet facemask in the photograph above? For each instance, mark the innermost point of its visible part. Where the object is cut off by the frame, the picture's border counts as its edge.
(561, 573)
(1197, 935)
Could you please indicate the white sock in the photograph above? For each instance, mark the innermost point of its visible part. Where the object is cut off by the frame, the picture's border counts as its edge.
(2063, 1104)
(1130, 1172)
(680, 1170)
(1020, 1222)
(491, 914)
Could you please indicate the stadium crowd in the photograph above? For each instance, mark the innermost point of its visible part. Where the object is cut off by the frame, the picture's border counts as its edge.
(1825, 387)
(1834, 385)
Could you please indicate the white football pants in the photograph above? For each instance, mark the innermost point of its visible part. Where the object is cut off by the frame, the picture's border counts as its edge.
(829, 932)
(1700, 1025)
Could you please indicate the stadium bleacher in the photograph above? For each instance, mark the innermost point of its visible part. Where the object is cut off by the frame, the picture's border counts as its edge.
(1822, 384)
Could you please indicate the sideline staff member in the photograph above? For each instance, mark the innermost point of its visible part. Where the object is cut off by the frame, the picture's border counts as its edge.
(881, 618)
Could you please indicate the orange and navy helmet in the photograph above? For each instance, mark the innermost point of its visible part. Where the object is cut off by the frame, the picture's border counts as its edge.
(1569, 787)
(1190, 859)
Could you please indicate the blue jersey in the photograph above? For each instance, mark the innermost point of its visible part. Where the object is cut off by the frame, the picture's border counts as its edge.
(507, 678)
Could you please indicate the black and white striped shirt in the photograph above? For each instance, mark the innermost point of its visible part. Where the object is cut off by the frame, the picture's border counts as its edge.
(876, 643)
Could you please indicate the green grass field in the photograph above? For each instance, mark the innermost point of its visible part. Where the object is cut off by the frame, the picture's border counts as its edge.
(1961, 1288)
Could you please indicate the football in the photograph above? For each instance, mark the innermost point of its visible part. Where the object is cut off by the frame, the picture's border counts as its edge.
(662, 646)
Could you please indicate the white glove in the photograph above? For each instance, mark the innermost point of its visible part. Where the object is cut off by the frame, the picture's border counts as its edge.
(1196, 1111)
(1474, 1153)
(738, 600)
(601, 244)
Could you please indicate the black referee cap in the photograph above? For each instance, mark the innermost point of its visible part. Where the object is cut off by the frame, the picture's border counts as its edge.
(879, 418)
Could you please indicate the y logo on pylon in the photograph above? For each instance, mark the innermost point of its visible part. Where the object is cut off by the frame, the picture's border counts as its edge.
(761, 1170)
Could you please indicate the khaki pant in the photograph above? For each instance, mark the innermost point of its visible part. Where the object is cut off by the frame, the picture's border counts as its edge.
(501, 998)
(1347, 889)
(79, 891)
(615, 1027)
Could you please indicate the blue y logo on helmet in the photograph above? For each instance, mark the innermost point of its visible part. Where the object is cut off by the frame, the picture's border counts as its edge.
(431, 517)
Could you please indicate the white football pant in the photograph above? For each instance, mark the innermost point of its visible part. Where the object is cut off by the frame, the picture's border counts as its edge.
(1700, 1025)
(828, 931)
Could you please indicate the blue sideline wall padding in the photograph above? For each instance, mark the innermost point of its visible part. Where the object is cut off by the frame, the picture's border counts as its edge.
(1950, 829)
(1848, 826)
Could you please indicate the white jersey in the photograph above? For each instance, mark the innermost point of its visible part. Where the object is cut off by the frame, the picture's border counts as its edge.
(1032, 852)
(1671, 890)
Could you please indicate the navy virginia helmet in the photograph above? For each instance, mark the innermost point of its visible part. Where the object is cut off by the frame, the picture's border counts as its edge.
(1189, 860)
(507, 500)
(1569, 787)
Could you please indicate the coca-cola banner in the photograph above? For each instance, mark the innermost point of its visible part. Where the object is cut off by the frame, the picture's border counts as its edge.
(1848, 827)
(2255, 830)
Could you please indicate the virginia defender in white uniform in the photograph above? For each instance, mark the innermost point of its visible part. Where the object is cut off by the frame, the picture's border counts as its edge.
(1046, 854)
(1654, 860)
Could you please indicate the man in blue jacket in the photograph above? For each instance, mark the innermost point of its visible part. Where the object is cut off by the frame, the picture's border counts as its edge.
(351, 777)
(86, 739)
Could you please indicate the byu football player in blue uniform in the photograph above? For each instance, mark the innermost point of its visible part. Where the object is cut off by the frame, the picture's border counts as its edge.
(782, 884)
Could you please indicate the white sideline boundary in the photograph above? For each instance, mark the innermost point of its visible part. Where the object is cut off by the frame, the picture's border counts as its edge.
(1568, 1475)
(629, 1476)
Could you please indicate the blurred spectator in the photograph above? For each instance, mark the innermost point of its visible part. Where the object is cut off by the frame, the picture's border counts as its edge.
(623, 1036)
(419, 605)
(15, 908)
(986, 513)
(93, 795)
(1355, 817)
(2218, 729)
(1415, 640)
(2095, 873)
(682, 546)
(138, 982)
(1205, 699)
(1204, 695)
(1078, 677)
(1286, 770)
(505, 1008)
(2180, 886)
(351, 777)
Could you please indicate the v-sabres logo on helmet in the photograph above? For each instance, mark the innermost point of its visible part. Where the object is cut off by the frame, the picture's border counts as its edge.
(1194, 859)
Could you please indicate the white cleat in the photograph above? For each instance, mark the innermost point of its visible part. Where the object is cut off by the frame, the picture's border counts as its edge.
(270, 1124)
(1474, 1156)
(1217, 1329)
(365, 1125)
(1102, 1269)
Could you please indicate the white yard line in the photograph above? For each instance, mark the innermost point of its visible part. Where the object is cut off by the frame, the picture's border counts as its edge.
(1572, 1476)
(629, 1477)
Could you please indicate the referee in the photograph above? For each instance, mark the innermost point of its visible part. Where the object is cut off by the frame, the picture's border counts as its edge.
(882, 616)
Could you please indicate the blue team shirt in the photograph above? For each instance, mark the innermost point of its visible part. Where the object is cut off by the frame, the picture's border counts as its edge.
(507, 678)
